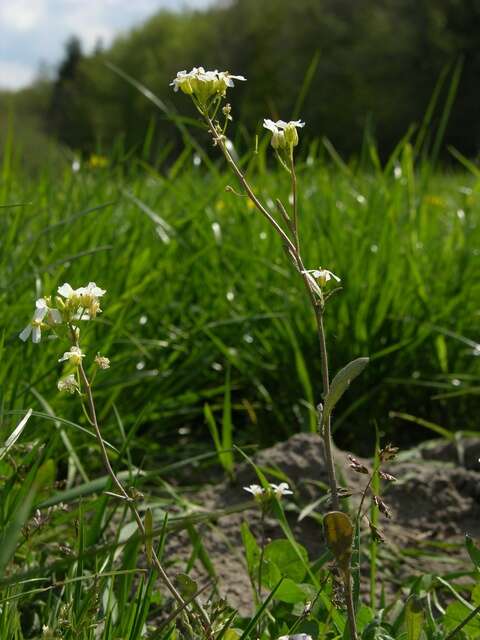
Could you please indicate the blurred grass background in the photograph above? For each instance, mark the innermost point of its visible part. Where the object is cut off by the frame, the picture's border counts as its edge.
(201, 300)
(99, 184)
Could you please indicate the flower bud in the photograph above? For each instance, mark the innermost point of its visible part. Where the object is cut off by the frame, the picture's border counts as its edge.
(291, 135)
(278, 140)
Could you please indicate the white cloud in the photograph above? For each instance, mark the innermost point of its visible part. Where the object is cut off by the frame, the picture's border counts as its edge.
(34, 31)
(21, 15)
(15, 75)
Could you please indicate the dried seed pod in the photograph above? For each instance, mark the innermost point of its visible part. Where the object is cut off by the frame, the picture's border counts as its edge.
(344, 492)
(387, 476)
(388, 452)
(377, 533)
(357, 466)
(383, 508)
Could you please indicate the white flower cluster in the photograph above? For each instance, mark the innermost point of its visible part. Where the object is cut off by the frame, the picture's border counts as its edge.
(260, 494)
(43, 315)
(204, 85)
(318, 278)
(82, 303)
(68, 384)
(72, 304)
(284, 134)
(74, 356)
(102, 362)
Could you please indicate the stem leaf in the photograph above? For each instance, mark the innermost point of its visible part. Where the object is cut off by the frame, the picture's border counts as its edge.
(413, 618)
(340, 384)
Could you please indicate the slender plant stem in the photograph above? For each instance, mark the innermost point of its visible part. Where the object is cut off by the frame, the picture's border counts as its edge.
(218, 139)
(294, 252)
(326, 424)
(262, 552)
(125, 496)
(260, 563)
(293, 249)
(295, 203)
(347, 580)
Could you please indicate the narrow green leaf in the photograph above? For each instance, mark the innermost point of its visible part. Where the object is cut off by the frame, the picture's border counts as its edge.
(148, 523)
(473, 551)
(8, 541)
(252, 550)
(14, 436)
(341, 382)
(414, 618)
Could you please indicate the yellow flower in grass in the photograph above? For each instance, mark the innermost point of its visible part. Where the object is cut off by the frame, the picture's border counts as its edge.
(434, 201)
(97, 162)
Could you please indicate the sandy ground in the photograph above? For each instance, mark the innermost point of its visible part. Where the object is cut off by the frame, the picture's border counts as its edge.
(434, 503)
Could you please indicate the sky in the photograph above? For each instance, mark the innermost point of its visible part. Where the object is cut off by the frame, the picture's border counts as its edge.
(33, 32)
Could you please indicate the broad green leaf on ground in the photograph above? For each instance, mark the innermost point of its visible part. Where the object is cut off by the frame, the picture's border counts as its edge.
(285, 557)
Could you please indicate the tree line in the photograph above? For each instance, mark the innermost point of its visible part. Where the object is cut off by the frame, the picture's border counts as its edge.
(342, 65)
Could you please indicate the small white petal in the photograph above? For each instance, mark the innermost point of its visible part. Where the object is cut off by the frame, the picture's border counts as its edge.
(36, 334)
(55, 316)
(66, 290)
(40, 314)
(25, 334)
(270, 125)
(254, 489)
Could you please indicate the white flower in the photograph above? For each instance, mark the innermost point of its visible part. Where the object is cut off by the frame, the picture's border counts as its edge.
(82, 303)
(66, 291)
(255, 489)
(283, 133)
(322, 276)
(74, 356)
(42, 311)
(281, 490)
(278, 136)
(204, 84)
(69, 384)
(225, 79)
(102, 361)
(91, 291)
(277, 490)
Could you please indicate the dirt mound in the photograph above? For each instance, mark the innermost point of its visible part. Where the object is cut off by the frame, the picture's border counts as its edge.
(434, 502)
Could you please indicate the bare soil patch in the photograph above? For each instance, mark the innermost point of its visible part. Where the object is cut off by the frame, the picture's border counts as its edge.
(434, 502)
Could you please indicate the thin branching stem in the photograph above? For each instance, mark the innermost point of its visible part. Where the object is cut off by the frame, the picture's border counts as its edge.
(318, 304)
(295, 202)
(218, 139)
(293, 251)
(262, 552)
(123, 494)
(347, 581)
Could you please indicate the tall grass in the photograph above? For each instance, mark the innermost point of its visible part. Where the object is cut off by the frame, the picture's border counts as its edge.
(208, 338)
(188, 299)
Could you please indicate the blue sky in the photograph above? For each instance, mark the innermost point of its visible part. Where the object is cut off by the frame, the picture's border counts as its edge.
(34, 31)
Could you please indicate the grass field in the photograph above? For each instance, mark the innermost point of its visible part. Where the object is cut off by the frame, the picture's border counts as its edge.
(201, 308)
(199, 295)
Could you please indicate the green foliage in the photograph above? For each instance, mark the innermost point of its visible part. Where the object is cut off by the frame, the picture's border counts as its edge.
(200, 318)
(341, 73)
(405, 248)
(340, 384)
